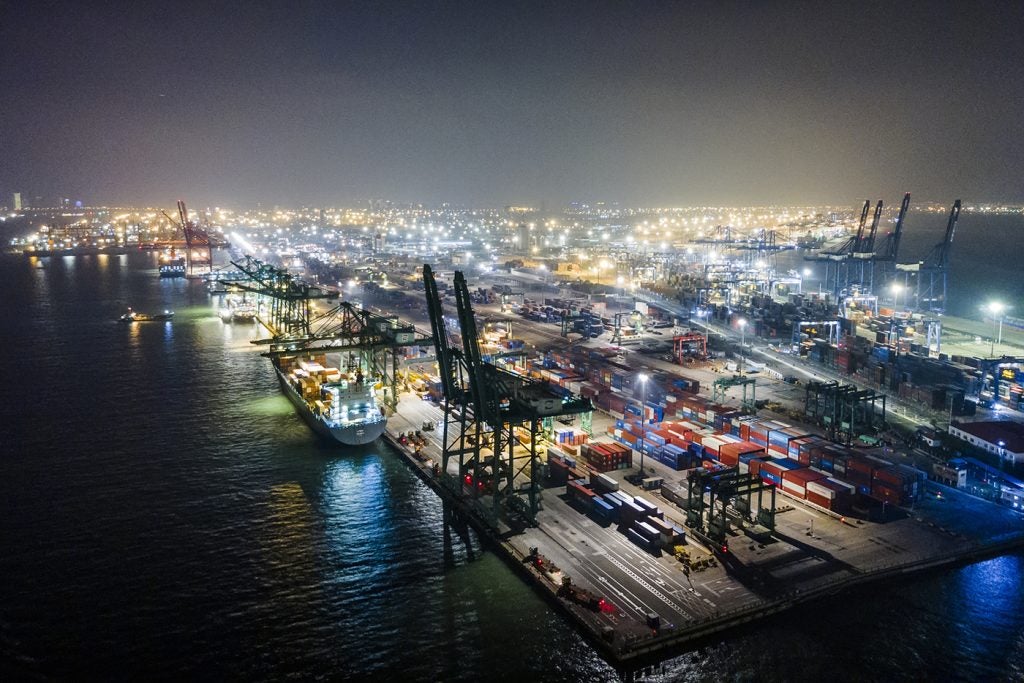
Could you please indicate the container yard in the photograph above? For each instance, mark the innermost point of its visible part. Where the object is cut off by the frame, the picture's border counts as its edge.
(660, 584)
(732, 517)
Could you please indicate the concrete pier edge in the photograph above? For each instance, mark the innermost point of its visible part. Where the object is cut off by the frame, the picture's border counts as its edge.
(679, 638)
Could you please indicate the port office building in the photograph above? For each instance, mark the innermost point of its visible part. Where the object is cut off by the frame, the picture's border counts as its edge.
(1004, 439)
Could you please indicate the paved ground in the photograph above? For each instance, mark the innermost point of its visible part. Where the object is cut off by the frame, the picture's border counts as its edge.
(810, 548)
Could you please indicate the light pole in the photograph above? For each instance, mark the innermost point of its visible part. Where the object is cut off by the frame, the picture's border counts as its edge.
(996, 309)
(701, 314)
(896, 289)
(643, 418)
(743, 329)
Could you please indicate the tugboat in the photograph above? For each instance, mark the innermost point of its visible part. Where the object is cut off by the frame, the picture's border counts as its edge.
(136, 317)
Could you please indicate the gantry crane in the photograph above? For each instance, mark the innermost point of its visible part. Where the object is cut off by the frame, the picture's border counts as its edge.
(196, 240)
(888, 251)
(729, 489)
(932, 272)
(486, 410)
(840, 253)
(864, 250)
(720, 387)
(371, 342)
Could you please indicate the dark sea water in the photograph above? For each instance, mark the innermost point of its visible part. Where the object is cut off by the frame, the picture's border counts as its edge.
(166, 515)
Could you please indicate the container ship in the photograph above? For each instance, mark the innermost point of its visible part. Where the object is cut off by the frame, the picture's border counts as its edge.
(338, 405)
(172, 267)
(237, 310)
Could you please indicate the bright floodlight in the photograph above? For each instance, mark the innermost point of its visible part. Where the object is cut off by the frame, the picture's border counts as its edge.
(741, 322)
(807, 272)
(896, 287)
(642, 377)
(996, 308)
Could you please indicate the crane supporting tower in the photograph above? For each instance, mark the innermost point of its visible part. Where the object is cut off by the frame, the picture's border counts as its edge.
(932, 273)
(198, 244)
(493, 418)
(285, 308)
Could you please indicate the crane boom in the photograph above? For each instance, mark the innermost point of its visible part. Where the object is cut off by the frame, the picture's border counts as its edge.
(442, 344)
(855, 246)
(869, 241)
(943, 256)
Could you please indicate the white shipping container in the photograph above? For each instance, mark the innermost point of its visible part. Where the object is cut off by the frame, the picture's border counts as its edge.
(793, 487)
(823, 491)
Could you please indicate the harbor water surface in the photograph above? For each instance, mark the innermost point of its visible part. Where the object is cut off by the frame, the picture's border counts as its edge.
(167, 514)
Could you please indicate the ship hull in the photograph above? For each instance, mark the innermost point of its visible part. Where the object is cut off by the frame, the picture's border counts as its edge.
(355, 435)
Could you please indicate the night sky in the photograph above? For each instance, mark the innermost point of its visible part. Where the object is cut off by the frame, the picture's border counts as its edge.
(492, 103)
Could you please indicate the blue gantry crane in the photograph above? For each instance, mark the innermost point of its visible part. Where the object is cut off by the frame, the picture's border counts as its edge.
(931, 274)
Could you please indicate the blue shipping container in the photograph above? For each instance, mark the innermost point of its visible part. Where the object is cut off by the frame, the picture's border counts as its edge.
(604, 510)
(639, 540)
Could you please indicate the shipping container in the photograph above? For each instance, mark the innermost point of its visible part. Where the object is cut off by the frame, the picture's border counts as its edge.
(645, 504)
(604, 511)
(647, 531)
(603, 483)
(639, 540)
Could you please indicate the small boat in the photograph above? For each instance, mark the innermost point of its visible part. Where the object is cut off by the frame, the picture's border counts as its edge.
(136, 317)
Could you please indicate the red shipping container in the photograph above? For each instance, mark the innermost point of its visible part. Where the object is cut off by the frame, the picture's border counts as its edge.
(818, 499)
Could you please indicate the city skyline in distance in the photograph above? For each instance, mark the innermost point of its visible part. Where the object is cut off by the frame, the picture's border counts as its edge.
(495, 105)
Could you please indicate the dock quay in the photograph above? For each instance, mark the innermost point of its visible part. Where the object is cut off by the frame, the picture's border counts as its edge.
(650, 606)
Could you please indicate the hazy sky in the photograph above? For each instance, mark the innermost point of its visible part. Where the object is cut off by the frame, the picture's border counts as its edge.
(656, 103)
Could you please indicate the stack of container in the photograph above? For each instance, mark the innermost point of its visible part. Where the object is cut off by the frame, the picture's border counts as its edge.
(605, 457)
(558, 467)
(830, 494)
(579, 493)
(771, 470)
(731, 453)
(603, 510)
(570, 436)
(602, 483)
(794, 482)
(896, 484)
(673, 456)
